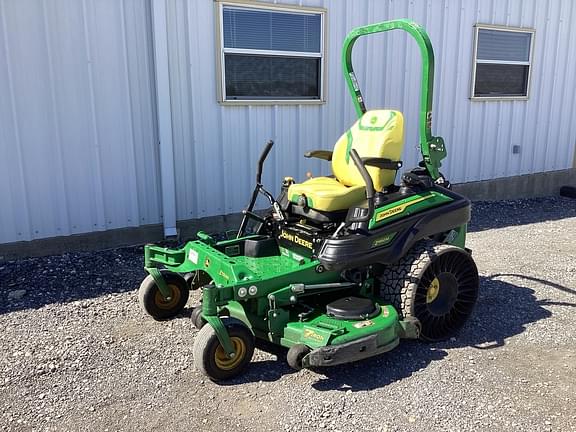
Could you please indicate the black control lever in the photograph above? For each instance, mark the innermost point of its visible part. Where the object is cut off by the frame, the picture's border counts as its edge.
(263, 157)
(248, 214)
(369, 188)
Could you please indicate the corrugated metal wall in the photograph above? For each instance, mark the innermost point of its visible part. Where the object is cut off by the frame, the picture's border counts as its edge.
(78, 138)
(78, 141)
(217, 146)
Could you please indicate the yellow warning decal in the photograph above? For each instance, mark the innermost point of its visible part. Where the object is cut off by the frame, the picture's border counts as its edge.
(399, 208)
(363, 324)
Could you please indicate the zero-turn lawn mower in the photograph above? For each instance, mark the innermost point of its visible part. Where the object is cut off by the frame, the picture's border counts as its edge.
(340, 268)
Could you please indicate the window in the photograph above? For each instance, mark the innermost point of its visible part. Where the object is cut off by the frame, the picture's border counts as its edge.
(502, 62)
(270, 53)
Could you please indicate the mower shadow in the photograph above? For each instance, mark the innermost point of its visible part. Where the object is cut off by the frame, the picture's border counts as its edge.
(519, 212)
(503, 311)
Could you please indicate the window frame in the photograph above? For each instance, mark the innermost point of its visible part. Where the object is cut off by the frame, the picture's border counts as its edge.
(221, 51)
(476, 61)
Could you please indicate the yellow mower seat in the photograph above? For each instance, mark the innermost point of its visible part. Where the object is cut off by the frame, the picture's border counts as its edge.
(327, 194)
(378, 133)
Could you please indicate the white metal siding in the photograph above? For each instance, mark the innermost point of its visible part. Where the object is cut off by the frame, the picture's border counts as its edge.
(78, 134)
(78, 141)
(217, 146)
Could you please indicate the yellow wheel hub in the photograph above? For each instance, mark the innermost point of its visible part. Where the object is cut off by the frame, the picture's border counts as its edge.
(226, 363)
(169, 303)
(433, 291)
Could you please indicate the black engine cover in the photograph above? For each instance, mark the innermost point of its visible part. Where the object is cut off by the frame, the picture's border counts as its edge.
(352, 308)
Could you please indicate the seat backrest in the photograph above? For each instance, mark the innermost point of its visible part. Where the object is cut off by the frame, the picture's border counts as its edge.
(378, 133)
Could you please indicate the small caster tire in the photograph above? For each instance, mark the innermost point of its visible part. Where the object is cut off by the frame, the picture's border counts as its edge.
(210, 358)
(196, 317)
(155, 305)
(295, 355)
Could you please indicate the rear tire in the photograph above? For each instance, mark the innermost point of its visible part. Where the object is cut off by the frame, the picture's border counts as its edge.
(435, 283)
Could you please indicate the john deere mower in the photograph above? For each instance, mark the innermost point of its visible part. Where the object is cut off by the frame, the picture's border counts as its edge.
(339, 268)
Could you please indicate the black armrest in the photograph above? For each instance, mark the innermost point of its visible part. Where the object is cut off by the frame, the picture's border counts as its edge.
(319, 154)
(382, 163)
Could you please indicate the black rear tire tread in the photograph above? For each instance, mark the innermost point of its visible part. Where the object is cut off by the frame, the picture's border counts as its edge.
(399, 283)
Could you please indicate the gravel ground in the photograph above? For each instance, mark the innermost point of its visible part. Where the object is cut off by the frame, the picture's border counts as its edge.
(76, 352)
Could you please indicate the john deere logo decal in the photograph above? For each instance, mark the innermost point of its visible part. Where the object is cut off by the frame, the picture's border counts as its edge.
(399, 208)
(295, 239)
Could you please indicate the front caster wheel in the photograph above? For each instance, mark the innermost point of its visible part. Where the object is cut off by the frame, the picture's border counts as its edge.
(295, 355)
(154, 303)
(210, 358)
(196, 317)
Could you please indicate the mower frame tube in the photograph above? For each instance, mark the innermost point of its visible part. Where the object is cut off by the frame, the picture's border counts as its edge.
(160, 282)
(210, 314)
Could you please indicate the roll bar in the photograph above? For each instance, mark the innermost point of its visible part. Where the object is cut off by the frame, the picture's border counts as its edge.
(431, 147)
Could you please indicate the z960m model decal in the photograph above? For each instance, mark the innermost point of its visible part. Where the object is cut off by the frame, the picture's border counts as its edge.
(407, 206)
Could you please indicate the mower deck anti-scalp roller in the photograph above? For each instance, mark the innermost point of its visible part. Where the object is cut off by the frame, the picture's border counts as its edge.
(339, 268)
